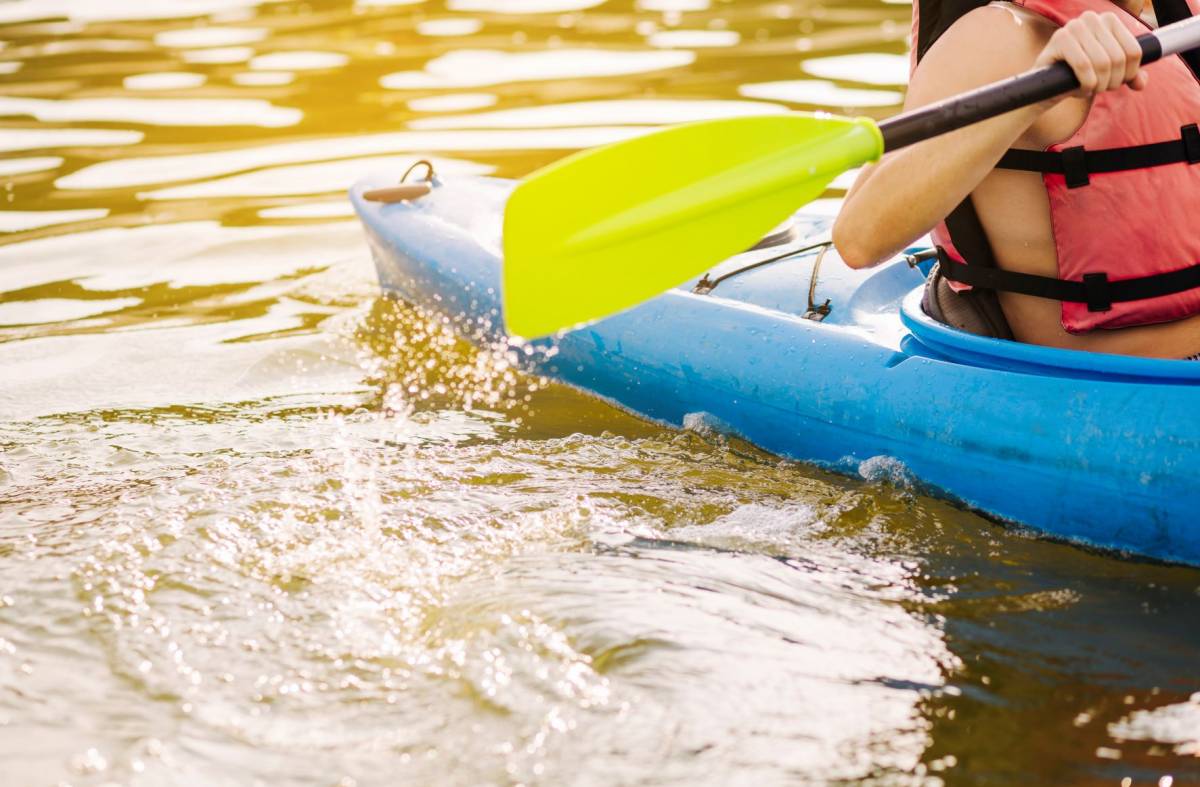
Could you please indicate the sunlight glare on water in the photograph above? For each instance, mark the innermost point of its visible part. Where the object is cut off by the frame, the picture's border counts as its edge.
(260, 524)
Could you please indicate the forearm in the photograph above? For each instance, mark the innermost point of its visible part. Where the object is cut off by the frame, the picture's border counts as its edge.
(902, 197)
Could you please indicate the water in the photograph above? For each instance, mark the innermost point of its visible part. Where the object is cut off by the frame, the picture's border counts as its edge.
(259, 525)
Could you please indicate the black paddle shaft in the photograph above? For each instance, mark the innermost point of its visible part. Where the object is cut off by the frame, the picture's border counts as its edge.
(1020, 91)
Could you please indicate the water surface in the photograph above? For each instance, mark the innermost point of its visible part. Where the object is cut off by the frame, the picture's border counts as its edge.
(259, 525)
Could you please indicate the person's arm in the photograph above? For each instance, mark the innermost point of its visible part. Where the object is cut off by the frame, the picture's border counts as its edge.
(902, 197)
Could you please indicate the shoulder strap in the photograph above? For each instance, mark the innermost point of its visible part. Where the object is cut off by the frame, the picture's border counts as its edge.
(934, 17)
(966, 230)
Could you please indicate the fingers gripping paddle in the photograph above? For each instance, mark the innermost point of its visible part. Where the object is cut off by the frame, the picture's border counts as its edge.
(606, 229)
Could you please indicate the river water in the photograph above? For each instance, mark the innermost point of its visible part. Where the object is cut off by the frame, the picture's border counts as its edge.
(259, 525)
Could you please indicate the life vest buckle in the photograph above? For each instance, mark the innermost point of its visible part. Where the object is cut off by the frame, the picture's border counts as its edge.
(1191, 143)
(1075, 167)
(1097, 293)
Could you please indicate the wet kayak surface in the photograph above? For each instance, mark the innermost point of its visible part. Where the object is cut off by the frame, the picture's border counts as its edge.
(260, 524)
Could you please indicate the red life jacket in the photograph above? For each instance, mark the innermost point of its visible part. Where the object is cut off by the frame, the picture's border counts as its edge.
(1123, 190)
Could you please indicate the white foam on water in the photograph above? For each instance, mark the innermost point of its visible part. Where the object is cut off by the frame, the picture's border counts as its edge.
(706, 424)
(754, 525)
(888, 470)
(1176, 725)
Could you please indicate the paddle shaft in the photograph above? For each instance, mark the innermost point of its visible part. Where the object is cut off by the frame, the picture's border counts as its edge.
(1020, 91)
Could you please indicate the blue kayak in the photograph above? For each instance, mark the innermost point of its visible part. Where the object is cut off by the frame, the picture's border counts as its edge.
(790, 349)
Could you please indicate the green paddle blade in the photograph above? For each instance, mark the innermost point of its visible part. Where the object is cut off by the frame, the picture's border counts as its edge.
(606, 229)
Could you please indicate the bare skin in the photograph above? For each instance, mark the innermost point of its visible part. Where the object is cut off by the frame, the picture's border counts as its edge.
(902, 197)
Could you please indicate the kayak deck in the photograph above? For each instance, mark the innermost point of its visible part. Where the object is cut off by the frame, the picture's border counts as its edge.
(1094, 448)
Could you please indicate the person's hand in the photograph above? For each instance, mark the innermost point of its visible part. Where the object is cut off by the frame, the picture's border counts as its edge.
(1101, 51)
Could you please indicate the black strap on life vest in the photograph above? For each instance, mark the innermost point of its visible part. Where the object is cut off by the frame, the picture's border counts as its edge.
(1078, 164)
(966, 230)
(1096, 290)
(935, 17)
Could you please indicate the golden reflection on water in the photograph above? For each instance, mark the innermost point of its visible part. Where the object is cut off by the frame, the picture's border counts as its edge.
(257, 523)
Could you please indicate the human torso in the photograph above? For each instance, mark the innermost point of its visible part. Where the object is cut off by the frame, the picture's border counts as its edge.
(1015, 208)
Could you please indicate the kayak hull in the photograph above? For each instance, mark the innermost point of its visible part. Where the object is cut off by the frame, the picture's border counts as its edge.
(1095, 449)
